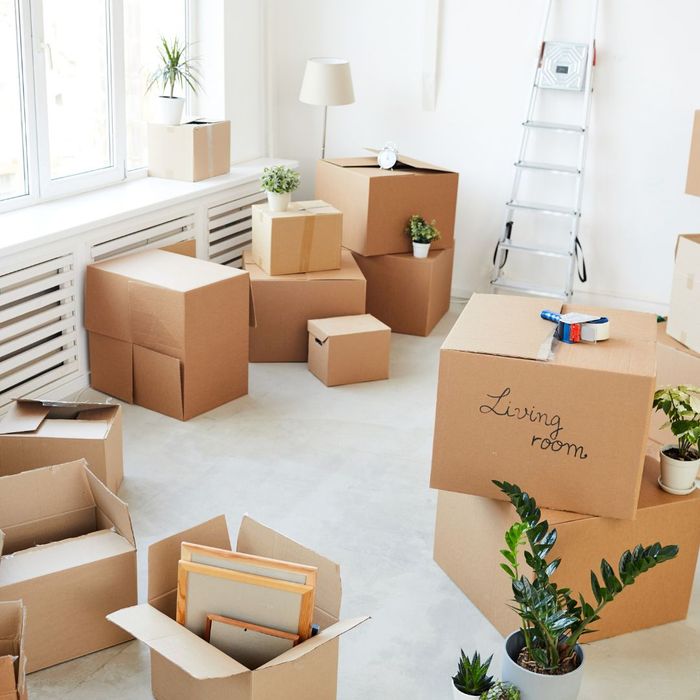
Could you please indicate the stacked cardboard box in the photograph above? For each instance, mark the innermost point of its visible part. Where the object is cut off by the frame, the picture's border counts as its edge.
(13, 662)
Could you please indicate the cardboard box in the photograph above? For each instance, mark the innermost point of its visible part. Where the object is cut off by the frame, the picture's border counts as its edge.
(559, 420)
(13, 662)
(193, 151)
(692, 185)
(37, 433)
(168, 332)
(184, 666)
(282, 306)
(305, 238)
(349, 349)
(469, 534)
(377, 204)
(683, 315)
(69, 553)
(409, 294)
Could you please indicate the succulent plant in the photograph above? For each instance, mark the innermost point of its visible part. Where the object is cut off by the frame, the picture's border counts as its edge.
(501, 691)
(471, 678)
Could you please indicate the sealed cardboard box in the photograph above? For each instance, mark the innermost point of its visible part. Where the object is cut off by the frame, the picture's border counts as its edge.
(168, 332)
(36, 433)
(377, 203)
(409, 294)
(683, 315)
(193, 151)
(349, 349)
(13, 662)
(305, 238)
(282, 306)
(68, 551)
(692, 185)
(184, 666)
(659, 596)
(514, 406)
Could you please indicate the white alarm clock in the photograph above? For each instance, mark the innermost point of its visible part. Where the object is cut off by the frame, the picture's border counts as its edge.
(387, 157)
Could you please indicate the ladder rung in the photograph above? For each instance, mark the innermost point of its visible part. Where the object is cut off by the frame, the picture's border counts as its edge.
(553, 209)
(548, 167)
(514, 286)
(553, 126)
(505, 245)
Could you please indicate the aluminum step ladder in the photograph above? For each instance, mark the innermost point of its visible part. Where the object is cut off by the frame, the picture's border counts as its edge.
(560, 66)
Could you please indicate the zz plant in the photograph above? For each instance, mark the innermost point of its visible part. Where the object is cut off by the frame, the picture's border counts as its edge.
(553, 619)
(471, 677)
(681, 404)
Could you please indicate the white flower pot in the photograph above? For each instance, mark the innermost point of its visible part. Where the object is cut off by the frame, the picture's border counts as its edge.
(677, 477)
(459, 695)
(169, 110)
(279, 202)
(537, 686)
(420, 250)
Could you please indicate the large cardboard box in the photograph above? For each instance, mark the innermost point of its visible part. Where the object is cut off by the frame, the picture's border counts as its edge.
(13, 662)
(36, 433)
(377, 204)
(282, 306)
(184, 666)
(692, 185)
(69, 553)
(469, 534)
(305, 238)
(349, 349)
(409, 294)
(683, 315)
(193, 151)
(168, 332)
(559, 420)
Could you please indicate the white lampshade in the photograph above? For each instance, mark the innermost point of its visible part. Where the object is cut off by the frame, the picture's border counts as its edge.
(327, 81)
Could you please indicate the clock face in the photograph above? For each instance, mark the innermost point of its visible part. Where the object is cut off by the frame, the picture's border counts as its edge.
(386, 159)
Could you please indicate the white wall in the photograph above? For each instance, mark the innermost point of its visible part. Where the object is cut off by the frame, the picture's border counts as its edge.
(647, 89)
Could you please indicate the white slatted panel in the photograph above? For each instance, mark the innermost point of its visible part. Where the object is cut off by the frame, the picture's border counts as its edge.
(38, 326)
(230, 229)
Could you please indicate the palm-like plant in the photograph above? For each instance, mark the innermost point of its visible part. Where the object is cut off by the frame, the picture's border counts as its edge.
(176, 68)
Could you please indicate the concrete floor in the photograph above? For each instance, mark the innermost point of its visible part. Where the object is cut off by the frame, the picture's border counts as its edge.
(344, 471)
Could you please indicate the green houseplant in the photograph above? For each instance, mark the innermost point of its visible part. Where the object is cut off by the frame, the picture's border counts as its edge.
(501, 690)
(422, 234)
(175, 70)
(472, 677)
(279, 182)
(544, 658)
(680, 462)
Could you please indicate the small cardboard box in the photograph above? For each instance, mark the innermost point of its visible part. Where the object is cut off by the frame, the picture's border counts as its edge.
(470, 529)
(305, 238)
(168, 332)
(514, 406)
(692, 185)
(193, 151)
(13, 663)
(184, 666)
(349, 349)
(37, 433)
(409, 294)
(69, 553)
(377, 203)
(282, 306)
(684, 314)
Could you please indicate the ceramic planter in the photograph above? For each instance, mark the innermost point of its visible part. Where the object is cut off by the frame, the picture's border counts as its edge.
(537, 686)
(169, 110)
(677, 477)
(459, 695)
(420, 250)
(279, 202)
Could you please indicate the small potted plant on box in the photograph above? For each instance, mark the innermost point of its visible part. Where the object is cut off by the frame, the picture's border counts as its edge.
(279, 182)
(471, 679)
(680, 462)
(544, 658)
(422, 234)
(501, 690)
(175, 69)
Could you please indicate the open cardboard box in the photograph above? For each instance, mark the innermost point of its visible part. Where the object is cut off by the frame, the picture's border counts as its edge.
(184, 666)
(68, 552)
(36, 433)
(684, 315)
(469, 536)
(559, 420)
(13, 662)
(377, 203)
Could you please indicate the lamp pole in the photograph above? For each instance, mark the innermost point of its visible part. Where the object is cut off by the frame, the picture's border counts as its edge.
(325, 121)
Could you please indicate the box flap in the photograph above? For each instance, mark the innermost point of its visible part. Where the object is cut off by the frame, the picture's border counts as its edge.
(255, 538)
(312, 207)
(322, 328)
(7, 675)
(371, 162)
(112, 506)
(691, 237)
(2, 541)
(23, 417)
(176, 643)
(504, 325)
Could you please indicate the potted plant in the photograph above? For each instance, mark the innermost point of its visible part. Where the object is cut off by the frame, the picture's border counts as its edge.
(471, 679)
(175, 69)
(680, 462)
(544, 658)
(422, 234)
(279, 182)
(501, 690)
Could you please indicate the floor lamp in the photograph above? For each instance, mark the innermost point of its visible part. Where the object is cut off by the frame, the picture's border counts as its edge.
(328, 83)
